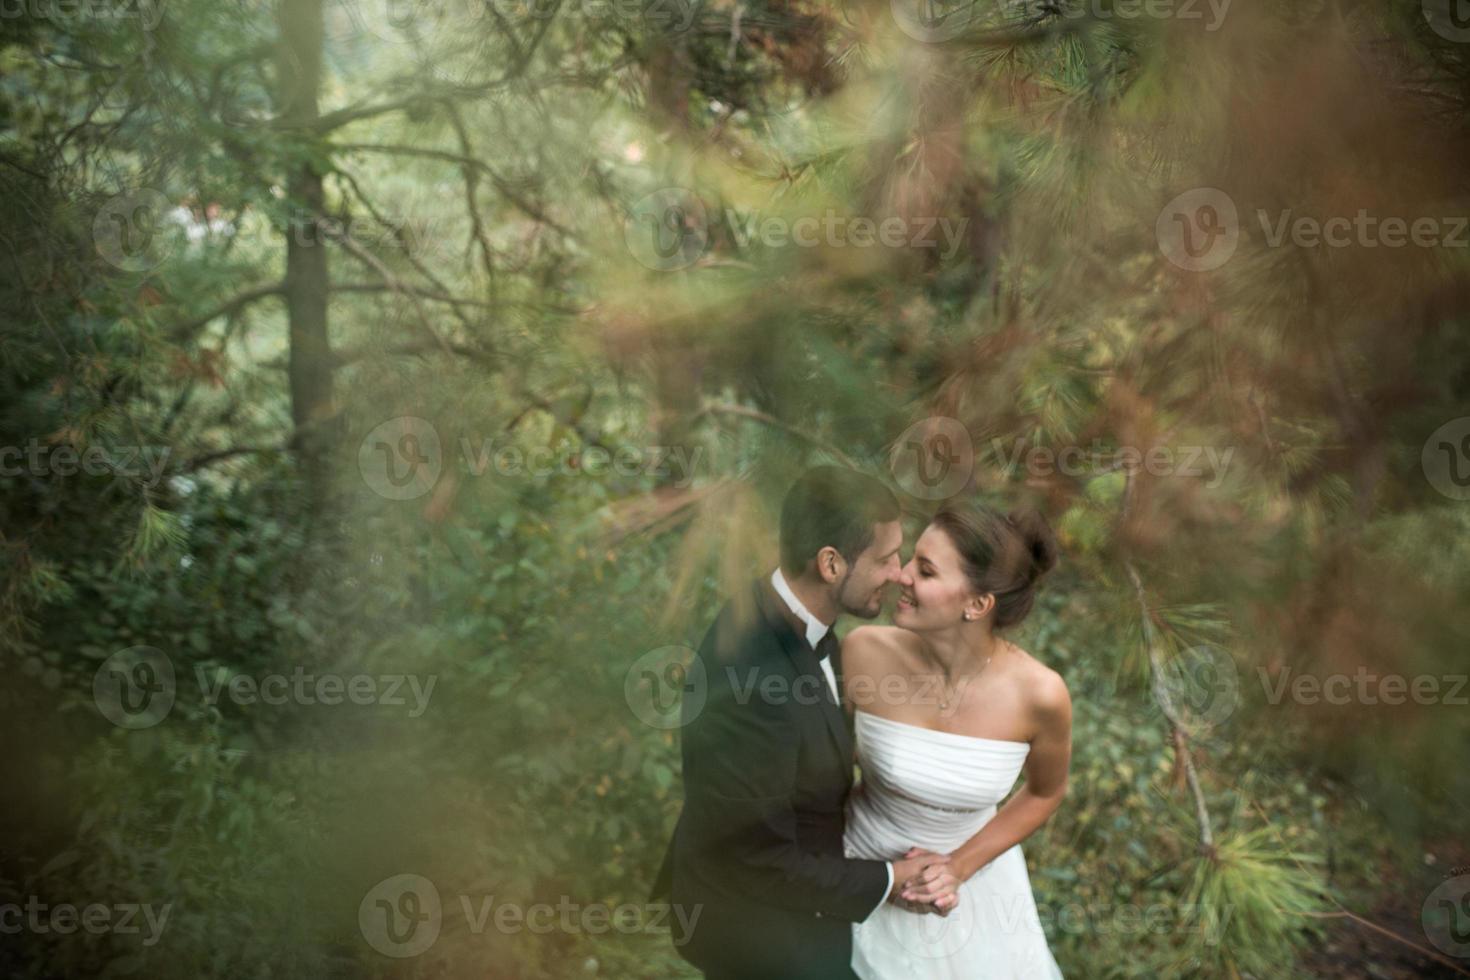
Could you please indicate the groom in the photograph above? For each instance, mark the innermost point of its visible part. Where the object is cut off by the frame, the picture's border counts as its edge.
(768, 757)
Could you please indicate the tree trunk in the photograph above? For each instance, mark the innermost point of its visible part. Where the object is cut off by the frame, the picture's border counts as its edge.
(299, 55)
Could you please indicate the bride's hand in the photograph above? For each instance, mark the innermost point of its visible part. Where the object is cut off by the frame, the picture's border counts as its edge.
(936, 888)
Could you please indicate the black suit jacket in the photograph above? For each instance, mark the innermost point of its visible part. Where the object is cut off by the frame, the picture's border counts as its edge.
(768, 760)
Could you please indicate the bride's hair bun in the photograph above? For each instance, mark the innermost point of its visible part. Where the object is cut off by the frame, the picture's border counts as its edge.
(1005, 555)
(1037, 534)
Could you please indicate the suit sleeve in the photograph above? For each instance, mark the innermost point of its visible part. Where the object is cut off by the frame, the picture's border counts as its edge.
(740, 773)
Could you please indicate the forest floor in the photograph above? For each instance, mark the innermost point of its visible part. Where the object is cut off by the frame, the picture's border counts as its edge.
(1352, 949)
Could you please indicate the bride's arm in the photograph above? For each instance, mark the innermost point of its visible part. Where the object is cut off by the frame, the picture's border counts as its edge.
(1038, 798)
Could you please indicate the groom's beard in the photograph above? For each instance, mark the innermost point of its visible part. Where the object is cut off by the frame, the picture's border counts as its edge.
(867, 607)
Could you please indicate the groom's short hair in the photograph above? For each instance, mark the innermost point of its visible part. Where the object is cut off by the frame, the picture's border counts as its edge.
(832, 505)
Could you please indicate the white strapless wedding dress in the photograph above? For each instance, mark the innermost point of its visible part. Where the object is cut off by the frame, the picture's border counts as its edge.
(936, 790)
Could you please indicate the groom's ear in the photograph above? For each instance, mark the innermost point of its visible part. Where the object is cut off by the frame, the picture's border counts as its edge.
(830, 564)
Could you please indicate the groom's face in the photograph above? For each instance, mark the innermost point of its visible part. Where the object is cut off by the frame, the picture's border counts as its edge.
(861, 592)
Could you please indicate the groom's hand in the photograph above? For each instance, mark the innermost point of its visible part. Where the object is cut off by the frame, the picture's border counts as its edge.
(909, 867)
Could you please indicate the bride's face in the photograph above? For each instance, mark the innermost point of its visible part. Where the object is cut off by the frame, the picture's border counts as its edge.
(933, 589)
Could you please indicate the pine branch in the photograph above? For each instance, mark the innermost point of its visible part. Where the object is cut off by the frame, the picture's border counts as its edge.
(1181, 740)
(501, 184)
(185, 331)
(775, 423)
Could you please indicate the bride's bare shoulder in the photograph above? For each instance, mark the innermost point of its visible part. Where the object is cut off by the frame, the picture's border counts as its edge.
(1045, 687)
(870, 648)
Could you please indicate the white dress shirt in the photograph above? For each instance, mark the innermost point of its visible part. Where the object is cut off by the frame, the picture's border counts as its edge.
(815, 630)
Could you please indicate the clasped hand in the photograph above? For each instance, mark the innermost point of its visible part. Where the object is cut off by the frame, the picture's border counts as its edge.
(926, 882)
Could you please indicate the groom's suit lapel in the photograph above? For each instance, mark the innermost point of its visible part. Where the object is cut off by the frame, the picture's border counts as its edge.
(805, 660)
(847, 725)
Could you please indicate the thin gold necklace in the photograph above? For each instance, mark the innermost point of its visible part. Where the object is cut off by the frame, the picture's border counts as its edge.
(944, 701)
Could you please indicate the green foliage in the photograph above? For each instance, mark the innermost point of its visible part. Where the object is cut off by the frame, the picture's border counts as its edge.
(483, 276)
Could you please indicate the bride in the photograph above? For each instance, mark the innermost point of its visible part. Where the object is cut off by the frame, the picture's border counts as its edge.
(947, 715)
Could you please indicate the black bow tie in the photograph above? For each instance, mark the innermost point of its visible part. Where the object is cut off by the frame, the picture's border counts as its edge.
(827, 645)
